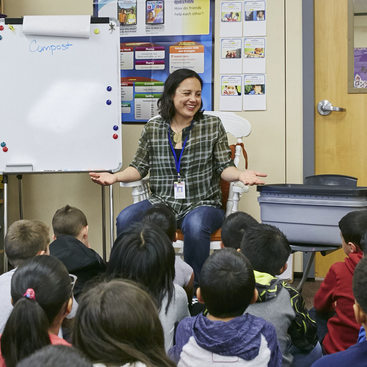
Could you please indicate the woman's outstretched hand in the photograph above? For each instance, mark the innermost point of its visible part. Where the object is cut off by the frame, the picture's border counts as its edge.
(250, 177)
(103, 178)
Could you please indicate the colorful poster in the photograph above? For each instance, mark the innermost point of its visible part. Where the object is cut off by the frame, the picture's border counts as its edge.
(360, 68)
(168, 35)
(254, 55)
(158, 17)
(231, 91)
(254, 97)
(255, 18)
(231, 19)
(231, 56)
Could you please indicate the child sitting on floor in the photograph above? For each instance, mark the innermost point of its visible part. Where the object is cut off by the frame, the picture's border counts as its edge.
(117, 324)
(55, 356)
(226, 335)
(335, 295)
(41, 291)
(164, 218)
(71, 246)
(234, 227)
(24, 239)
(356, 355)
(268, 250)
(144, 254)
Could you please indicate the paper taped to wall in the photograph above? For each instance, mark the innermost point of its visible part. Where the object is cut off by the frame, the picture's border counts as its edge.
(57, 25)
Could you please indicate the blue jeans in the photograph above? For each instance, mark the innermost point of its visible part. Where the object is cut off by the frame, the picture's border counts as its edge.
(321, 322)
(131, 214)
(302, 359)
(197, 226)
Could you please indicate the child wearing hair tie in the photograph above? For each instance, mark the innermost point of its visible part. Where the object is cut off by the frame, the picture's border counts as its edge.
(41, 291)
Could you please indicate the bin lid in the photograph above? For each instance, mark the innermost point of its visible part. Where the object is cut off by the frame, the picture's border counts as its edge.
(338, 180)
(315, 190)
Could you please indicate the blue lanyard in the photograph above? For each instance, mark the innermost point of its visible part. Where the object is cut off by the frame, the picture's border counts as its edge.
(177, 161)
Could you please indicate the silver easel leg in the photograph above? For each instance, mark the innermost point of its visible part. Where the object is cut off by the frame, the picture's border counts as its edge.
(103, 224)
(5, 182)
(20, 195)
(112, 226)
(306, 271)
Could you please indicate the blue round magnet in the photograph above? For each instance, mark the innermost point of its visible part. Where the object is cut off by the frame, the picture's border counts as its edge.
(115, 127)
(109, 88)
(108, 101)
(3, 144)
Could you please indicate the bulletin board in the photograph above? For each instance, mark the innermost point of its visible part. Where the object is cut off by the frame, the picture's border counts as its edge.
(179, 35)
(60, 94)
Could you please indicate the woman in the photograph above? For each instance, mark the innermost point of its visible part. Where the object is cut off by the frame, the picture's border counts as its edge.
(186, 153)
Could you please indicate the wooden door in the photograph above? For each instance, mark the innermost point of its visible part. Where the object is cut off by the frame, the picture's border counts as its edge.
(341, 137)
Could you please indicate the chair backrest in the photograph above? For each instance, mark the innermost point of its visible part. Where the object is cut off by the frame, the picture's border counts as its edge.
(236, 125)
(239, 127)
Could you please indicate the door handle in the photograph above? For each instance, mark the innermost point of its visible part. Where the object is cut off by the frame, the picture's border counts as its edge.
(325, 107)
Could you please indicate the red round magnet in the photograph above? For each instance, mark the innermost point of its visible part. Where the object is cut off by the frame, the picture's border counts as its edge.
(5, 149)
(115, 136)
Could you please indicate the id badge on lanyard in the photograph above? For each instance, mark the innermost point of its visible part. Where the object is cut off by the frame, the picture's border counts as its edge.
(178, 186)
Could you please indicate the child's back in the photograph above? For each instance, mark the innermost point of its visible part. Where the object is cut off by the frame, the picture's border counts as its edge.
(80, 260)
(71, 246)
(117, 324)
(335, 293)
(356, 355)
(163, 217)
(144, 254)
(24, 240)
(268, 250)
(226, 336)
(41, 291)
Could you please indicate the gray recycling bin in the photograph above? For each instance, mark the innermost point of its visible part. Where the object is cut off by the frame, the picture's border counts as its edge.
(309, 213)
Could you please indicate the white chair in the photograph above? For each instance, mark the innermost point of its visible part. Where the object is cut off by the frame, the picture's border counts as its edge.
(234, 125)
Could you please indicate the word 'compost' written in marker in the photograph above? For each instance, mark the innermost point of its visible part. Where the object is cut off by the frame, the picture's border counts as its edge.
(35, 47)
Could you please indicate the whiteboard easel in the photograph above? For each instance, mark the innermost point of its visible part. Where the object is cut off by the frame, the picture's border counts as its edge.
(60, 96)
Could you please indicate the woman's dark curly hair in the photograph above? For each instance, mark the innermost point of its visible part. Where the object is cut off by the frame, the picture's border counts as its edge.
(165, 103)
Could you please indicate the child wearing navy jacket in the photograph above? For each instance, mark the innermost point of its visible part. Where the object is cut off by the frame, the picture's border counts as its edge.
(225, 334)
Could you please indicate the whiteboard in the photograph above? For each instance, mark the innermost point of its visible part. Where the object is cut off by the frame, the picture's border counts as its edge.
(60, 96)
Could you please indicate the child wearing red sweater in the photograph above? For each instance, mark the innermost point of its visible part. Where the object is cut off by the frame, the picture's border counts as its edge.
(335, 294)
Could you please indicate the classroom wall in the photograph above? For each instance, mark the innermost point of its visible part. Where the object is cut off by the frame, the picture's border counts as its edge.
(274, 146)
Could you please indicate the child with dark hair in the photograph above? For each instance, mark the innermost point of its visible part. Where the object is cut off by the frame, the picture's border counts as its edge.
(234, 227)
(71, 246)
(356, 355)
(41, 291)
(24, 240)
(144, 254)
(226, 335)
(163, 216)
(55, 356)
(268, 250)
(335, 295)
(117, 324)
